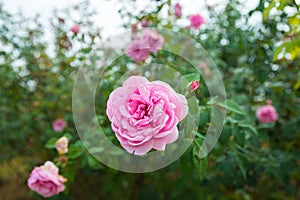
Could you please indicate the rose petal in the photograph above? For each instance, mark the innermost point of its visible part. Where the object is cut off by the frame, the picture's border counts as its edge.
(171, 136)
(139, 150)
(135, 81)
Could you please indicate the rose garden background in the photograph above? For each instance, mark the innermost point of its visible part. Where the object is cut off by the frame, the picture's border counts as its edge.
(256, 157)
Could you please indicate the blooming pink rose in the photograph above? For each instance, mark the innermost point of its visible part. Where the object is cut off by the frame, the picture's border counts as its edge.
(153, 40)
(59, 125)
(145, 114)
(196, 21)
(137, 50)
(177, 9)
(46, 181)
(61, 145)
(267, 114)
(194, 85)
(75, 29)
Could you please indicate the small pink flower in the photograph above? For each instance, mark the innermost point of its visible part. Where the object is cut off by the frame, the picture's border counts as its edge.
(144, 115)
(46, 181)
(75, 29)
(59, 125)
(137, 50)
(153, 40)
(196, 21)
(177, 9)
(61, 145)
(194, 85)
(267, 113)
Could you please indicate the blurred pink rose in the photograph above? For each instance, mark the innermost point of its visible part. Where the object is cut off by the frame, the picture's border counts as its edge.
(46, 181)
(140, 48)
(59, 125)
(75, 29)
(153, 40)
(194, 85)
(61, 145)
(177, 9)
(267, 114)
(145, 114)
(137, 50)
(196, 21)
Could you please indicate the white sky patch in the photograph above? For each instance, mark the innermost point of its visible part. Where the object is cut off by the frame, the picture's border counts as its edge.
(107, 17)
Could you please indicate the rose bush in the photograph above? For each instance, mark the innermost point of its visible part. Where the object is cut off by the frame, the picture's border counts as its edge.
(145, 114)
(258, 56)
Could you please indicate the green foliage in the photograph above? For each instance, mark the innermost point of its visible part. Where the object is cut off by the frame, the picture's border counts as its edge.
(257, 62)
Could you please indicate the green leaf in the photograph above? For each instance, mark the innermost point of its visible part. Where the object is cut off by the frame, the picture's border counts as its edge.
(69, 173)
(212, 101)
(191, 77)
(241, 164)
(96, 149)
(233, 107)
(200, 164)
(68, 135)
(266, 126)
(225, 135)
(51, 143)
(204, 117)
(239, 136)
(244, 124)
(74, 152)
(93, 163)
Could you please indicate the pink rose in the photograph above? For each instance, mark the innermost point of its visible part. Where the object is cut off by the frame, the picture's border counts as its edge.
(137, 50)
(75, 29)
(61, 145)
(59, 125)
(267, 114)
(153, 40)
(140, 48)
(144, 115)
(177, 9)
(194, 85)
(196, 21)
(46, 181)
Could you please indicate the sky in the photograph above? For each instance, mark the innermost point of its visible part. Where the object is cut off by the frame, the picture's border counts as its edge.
(107, 17)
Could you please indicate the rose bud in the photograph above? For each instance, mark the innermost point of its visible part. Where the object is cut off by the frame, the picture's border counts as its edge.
(61, 145)
(194, 85)
(75, 29)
